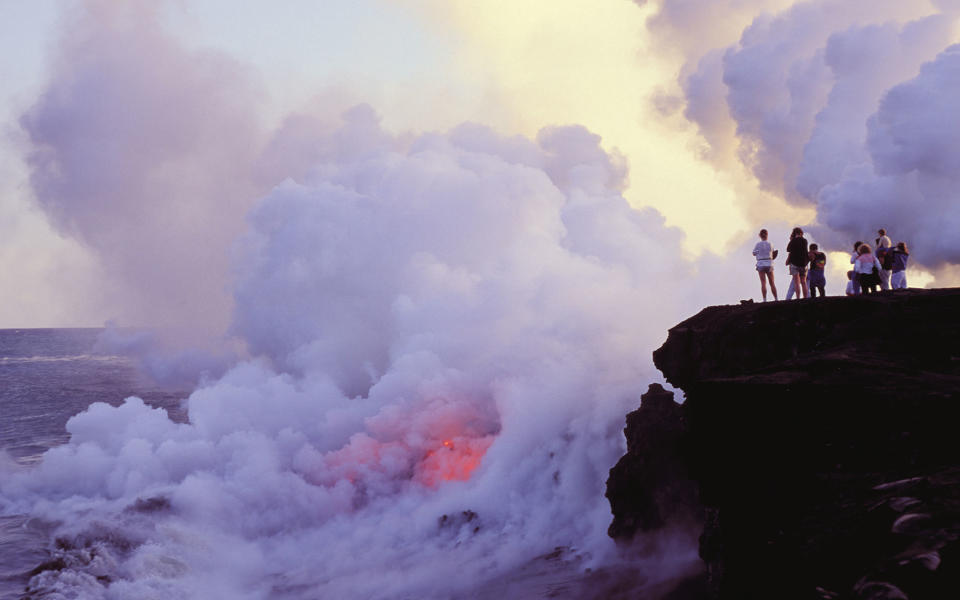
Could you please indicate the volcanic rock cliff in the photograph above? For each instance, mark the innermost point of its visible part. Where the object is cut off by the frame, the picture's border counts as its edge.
(817, 444)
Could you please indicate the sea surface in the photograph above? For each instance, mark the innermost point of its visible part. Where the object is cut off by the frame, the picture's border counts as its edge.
(46, 377)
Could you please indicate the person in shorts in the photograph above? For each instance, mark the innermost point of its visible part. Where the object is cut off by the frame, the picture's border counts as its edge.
(764, 254)
(797, 258)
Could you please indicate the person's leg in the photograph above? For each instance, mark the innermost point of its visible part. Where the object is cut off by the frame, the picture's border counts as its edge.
(898, 280)
(803, 286)
(823, 290)
(791, 289)
(763, 285)
(884, 279)
(773, 286)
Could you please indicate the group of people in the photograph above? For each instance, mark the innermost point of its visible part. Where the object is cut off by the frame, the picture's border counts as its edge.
(884, 268)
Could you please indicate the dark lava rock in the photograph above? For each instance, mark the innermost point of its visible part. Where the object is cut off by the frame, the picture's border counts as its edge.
(821, 435)
(649, 488)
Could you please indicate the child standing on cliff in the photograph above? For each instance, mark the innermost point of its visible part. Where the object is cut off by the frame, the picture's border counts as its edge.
(816, 280)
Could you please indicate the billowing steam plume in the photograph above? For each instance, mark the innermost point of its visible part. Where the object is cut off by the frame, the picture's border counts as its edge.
(837, 104)
(444, 331)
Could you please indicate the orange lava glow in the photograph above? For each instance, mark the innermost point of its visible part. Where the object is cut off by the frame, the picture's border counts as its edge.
(454, 460)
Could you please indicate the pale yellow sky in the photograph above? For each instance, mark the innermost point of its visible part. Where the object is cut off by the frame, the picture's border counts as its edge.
(565, 61)
(424, 65)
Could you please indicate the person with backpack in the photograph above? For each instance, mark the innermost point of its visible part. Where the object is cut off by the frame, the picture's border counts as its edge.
(885, 256)
(899, 269)
(797, 259)
(765, 254)
(867, 268)
(816, 279)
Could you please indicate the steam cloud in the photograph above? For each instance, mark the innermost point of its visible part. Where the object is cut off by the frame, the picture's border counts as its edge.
(833, 104)
(145, 152)
(444, 332)
(420, 354)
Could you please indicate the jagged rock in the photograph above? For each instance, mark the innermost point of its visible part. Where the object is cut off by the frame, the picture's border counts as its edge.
(649, 488)
(822, 437)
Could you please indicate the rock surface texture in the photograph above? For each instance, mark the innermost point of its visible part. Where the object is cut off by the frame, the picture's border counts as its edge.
(817, 443)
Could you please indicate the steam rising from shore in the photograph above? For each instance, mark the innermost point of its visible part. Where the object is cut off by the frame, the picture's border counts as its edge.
(445, 332)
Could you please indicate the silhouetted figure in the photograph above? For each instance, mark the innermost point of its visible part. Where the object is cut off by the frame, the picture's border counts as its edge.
(816, 279)
(853, 261)
(797, 259)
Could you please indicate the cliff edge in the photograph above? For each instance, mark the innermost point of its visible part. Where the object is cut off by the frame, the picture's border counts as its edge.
(817, 445)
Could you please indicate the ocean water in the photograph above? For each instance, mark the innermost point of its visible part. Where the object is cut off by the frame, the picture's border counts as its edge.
(46, 377)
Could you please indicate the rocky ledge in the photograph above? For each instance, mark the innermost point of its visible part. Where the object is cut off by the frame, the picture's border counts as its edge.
(817, 445)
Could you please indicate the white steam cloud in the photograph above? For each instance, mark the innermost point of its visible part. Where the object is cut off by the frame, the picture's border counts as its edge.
(445, 333)
(145, 152)
(834, 104)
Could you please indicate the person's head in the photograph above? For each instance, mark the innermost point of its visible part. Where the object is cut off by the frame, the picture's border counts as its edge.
(856, 245)
(849, 274)
(901, 246)
(763, 234)
(863, 249)
(814, 247)
(797, 232)
(881, 232)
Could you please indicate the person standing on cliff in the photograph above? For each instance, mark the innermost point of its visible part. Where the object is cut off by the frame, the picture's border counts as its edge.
(900, 256)
(797, 259)
(853, 261)
(868, 269)
(885, 256)
(765, 254)
(816, 280)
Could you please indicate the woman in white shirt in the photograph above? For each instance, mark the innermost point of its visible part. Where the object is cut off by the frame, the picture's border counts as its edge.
(867, 269)
(764, 254)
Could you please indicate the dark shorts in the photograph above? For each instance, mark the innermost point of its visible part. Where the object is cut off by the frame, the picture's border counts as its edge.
(795, 270)
(767, 269)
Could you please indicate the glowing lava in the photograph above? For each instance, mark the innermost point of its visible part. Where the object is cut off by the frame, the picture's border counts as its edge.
(454, 460)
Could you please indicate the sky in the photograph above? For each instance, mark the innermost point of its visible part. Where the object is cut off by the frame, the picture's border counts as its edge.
(423, 66)
(715, 152)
